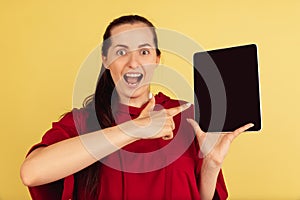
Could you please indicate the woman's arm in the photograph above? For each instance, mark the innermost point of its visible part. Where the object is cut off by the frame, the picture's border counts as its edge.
(51, 163)
(214, 148)
(208, 180)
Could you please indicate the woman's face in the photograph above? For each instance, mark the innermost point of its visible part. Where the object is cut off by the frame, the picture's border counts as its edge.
(131, 59)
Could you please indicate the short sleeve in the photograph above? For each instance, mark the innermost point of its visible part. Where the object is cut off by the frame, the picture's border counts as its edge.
(67, 127)
(64, 129)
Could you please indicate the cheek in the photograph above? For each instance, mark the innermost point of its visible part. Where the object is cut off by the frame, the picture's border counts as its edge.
(155, 60)
(149, 71)
(149, 62)
(116, 71)
(115, 75)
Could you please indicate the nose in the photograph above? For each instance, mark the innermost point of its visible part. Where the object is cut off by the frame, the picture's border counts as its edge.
(133, 59)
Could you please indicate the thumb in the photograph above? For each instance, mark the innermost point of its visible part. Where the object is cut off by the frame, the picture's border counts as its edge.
(198, 131)
(149, 107)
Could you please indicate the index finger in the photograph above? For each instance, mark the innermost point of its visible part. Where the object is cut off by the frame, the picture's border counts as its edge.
(176, 110)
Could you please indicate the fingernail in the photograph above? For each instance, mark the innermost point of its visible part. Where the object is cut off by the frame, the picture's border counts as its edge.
(150, 95)
(188, 104)
(251, 125)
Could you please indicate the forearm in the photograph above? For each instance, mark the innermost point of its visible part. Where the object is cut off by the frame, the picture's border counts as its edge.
(48, 164)
(208, 180)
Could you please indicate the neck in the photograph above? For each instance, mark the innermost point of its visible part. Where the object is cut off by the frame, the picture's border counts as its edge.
(135, 101)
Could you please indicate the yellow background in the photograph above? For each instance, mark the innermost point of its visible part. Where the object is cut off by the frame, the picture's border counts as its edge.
(43, 44)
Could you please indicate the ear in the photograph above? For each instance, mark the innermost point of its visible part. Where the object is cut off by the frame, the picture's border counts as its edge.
(104, 62)
(157, 59)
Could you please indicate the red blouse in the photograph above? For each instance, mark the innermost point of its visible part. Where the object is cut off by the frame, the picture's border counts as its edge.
(145, 169)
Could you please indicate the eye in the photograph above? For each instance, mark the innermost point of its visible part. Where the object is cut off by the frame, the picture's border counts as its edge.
(121, 52)
(145, 52)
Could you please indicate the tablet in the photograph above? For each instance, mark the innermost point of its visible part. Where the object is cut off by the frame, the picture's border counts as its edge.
(227, 90)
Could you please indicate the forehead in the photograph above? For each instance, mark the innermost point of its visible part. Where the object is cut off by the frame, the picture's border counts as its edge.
(132, 35)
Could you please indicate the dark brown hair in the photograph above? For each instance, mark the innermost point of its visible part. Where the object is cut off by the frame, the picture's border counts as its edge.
(99, 104)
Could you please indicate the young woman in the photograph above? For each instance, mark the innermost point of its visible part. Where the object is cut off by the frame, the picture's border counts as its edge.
(145, 144)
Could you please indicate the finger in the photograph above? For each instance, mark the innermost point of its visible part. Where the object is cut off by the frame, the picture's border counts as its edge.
(170, 123)
(241, 129)
(197, 129)
(173, 124)
(195, 125)
(176, 110)
(168, 137)
(149, 107)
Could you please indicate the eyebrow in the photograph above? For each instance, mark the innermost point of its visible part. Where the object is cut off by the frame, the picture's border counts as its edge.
(125, 46)
(120, 45)
(144, 45)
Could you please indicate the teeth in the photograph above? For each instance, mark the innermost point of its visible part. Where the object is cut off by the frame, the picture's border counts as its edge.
(133, 79)
(133, 75)
(132, 84)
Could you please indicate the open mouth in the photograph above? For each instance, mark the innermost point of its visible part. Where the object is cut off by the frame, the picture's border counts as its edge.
(133, 79)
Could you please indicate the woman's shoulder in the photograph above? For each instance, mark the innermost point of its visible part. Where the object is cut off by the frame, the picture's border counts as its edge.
(79, 117)
(76, 119)
(79, 113)
(75, 115)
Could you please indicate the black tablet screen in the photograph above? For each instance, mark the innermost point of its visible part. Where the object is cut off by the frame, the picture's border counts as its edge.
(226, 85)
